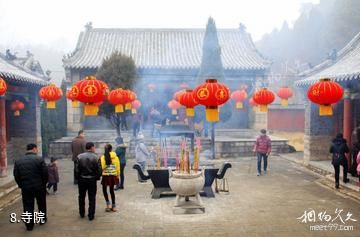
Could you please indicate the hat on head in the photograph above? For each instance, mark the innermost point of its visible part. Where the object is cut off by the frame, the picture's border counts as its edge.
(52, 159)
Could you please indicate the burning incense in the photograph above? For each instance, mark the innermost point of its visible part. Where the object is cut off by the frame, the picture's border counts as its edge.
(158, 161)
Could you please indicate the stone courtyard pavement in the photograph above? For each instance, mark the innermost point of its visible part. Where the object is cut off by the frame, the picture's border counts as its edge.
(256, 206)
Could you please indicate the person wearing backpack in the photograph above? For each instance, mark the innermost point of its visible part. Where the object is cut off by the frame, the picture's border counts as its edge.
(338, 149)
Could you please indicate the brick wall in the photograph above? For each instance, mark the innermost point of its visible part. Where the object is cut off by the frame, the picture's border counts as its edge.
(292, 120)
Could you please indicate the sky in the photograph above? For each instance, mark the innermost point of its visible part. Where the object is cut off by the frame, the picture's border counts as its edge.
(57, 23)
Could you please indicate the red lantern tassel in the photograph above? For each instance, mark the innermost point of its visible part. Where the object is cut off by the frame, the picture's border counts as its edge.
(239, 105)
(190, 112)
(212, 114)
(325, 110)
(284, 102)
(264, 108)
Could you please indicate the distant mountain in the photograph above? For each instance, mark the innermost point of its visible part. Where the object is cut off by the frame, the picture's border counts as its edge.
(321, 30)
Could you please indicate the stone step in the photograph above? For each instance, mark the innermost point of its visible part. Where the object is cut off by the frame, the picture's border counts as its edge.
(9, 193)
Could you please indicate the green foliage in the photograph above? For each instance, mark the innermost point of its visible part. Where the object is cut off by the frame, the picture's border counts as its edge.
(117, 71)
(53, 122)
(211, 65)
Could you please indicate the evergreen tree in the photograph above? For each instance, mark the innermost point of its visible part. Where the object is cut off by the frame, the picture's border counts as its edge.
(117, 71)
(211, 64)
(53, 122)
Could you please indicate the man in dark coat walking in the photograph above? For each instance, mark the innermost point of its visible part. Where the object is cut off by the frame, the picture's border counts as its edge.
(31, 175)
(88, 172)
(338, 149)
(77, 147)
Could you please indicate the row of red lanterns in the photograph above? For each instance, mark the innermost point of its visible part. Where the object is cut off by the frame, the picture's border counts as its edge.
(325, 92)
(211, 94)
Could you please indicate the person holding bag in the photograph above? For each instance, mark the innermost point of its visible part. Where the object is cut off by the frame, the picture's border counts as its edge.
(338, 150)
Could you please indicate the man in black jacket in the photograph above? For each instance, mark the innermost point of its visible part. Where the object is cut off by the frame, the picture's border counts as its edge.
(338, 149)
(31, 175)
(88, 171)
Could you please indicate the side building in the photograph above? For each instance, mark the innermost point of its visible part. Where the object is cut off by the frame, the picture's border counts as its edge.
(344, 68)
(16, 131)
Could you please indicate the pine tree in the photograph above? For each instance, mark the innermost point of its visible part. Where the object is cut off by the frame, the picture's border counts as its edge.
(117, 71)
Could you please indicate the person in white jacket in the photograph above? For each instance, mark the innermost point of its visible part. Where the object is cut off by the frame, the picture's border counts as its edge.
(141, 154)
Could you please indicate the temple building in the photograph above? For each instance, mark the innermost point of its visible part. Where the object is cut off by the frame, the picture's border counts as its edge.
(167, 58)
(23, 85)
(344, 68)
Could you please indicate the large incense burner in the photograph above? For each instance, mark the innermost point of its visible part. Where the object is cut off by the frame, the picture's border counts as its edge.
(185, 185)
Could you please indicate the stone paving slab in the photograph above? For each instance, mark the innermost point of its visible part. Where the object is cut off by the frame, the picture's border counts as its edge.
(256, 206)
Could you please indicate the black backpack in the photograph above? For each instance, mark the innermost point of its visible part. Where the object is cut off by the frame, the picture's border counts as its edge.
(338, 154)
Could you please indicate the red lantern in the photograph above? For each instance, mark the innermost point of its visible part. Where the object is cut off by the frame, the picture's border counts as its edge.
(118, 97)
(253, 104)
(131, 97)
(91, 91)
(151, 87)
(285, 93)
(239, 96)
(16, 106)
(135, 105)
(174, 105)
(187, 99)
(3, 86)
(264, 97)
(51, 94)
(178, 94)
(211, 94)
(71, 96)
(325, 92)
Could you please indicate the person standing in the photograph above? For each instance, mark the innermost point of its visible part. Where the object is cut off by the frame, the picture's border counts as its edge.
(262, 149)
(53, 175)
(110, 166)
(123, 121)
(88, 172)
(136, 124)
(31, 175)
(338, 149)
(355, 150)
(121, 152)
(141, 154)
(77, 147)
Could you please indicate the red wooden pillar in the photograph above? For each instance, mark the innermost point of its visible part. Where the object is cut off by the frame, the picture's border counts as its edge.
(347, 129)
(3, 157)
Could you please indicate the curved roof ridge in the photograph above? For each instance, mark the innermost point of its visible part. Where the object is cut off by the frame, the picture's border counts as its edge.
(345, 67)
(340, 54)
(94, 44)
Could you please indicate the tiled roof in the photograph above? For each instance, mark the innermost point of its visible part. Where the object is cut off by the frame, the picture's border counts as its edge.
(345, 67)
(16, 73)
(164, 48)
